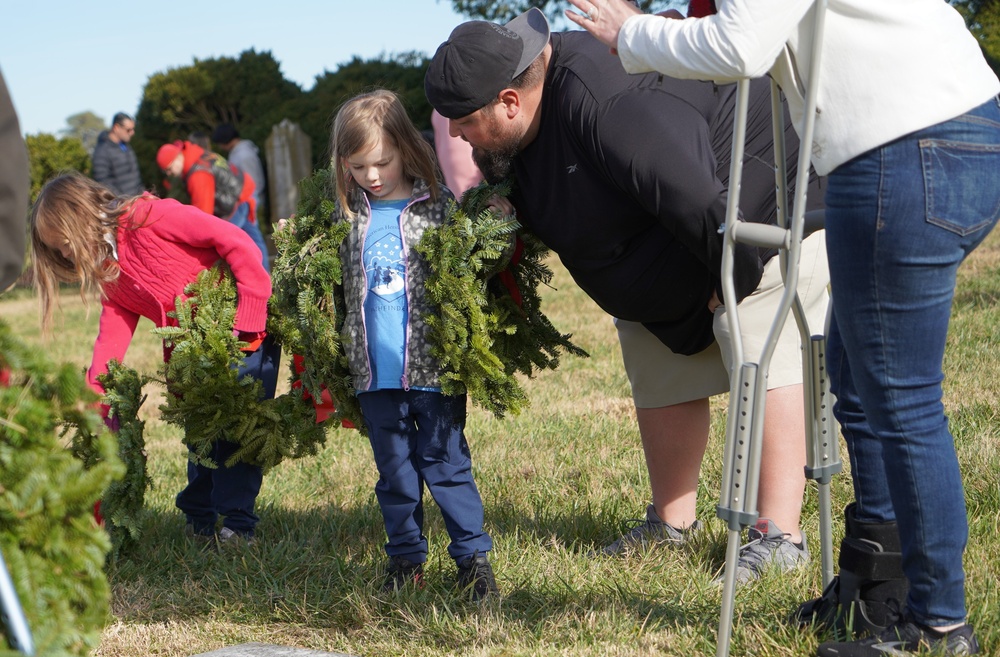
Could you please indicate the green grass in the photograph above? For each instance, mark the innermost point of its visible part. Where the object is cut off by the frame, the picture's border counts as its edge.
(556, 481)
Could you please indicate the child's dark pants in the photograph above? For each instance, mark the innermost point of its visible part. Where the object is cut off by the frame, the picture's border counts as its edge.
(231, 492)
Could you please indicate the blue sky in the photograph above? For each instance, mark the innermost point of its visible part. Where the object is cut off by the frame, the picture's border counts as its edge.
(61, 57)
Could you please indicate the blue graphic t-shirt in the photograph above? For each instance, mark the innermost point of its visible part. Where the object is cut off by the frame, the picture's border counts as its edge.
(385, 304)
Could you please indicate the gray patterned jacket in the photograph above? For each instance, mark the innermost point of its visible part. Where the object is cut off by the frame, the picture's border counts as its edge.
(420, 369)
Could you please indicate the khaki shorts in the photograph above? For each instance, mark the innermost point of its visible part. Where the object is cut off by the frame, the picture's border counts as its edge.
(659, 377)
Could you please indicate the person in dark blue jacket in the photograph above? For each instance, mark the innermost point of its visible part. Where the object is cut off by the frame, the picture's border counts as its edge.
(114, 163)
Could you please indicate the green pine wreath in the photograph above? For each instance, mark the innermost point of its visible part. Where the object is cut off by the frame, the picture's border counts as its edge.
(307, 304)
(482, 337)
(123, 502)
(208, 399)
(205, 398)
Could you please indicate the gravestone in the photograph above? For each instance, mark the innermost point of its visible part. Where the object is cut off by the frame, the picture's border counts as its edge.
(289, 160)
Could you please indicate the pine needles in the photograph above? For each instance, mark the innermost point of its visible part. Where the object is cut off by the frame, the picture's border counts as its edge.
(484, 281)
(53, 548)
(210, 401)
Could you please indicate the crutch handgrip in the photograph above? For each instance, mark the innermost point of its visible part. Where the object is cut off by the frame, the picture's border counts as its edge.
(764, 235)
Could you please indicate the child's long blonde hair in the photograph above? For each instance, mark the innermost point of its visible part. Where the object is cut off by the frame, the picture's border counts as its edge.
(365, 120)
(78, 213)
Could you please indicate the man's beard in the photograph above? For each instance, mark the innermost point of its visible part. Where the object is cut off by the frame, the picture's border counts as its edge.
(497, 163)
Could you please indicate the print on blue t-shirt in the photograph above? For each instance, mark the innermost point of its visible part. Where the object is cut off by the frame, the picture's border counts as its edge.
(385, 304)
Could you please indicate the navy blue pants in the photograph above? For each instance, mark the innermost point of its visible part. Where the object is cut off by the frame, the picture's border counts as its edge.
(418, 437)
(231, 492)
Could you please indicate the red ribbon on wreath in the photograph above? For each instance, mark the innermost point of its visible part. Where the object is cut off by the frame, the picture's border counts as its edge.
(324, 405)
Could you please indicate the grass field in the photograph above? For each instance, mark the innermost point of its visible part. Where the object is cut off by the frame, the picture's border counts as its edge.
(556, 481)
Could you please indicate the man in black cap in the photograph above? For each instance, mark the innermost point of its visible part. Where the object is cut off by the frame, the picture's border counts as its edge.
(625, 177)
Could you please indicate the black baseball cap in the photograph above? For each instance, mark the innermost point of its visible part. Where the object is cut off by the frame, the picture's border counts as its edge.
(480, 59)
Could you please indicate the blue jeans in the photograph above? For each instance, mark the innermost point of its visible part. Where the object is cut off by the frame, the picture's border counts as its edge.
(241, 219)
(900, 219)
(418, 438)
(231, 492)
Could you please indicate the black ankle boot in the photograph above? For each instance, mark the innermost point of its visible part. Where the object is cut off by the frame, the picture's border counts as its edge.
(869, 593)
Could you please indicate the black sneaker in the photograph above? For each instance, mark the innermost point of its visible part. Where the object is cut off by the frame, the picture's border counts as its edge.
(906, 637)
(203, 538)
(401, 572)
(475, 575)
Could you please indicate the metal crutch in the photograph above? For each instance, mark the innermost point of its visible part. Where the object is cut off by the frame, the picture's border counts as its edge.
(744, 427)
(822, 447)
(14, 621)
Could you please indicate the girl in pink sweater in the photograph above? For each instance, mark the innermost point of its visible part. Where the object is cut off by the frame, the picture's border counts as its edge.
(138, 254)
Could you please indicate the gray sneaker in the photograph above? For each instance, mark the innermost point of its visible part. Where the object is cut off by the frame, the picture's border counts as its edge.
(227, 539)
(646, 534)
(769, 547)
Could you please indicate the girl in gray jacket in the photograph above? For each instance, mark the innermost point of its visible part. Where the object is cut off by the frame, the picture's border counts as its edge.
(387, 187)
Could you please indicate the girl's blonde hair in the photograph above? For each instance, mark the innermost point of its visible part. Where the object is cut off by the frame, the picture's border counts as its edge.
(365, 120)
(77, 212)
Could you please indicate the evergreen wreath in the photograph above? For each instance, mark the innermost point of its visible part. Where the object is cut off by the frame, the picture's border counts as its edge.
(209, 400)
(53, 549)
(124, 500)
(482, 336)
(205, 398)
(308, 302)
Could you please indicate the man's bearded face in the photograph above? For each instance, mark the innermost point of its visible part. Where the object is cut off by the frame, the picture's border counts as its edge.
(497, 160)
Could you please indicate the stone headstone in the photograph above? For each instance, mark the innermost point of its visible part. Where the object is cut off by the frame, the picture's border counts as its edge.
(267, 650)
(289, 160)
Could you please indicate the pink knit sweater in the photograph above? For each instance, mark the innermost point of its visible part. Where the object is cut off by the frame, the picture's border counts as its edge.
(162, 246)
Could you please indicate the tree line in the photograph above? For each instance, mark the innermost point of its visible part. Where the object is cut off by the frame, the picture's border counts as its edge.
(248, 91)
